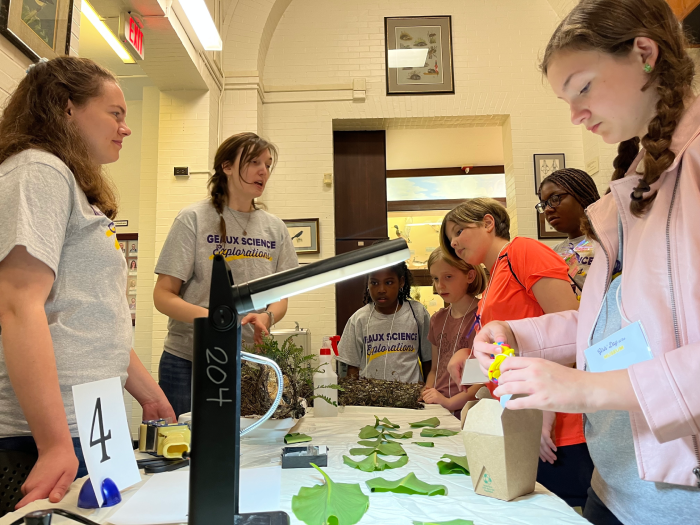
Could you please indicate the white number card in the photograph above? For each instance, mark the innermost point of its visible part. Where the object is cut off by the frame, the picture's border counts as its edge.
(104, 434)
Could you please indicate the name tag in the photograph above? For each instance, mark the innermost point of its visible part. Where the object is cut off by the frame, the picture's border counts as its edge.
(472, 373)
(619, 351)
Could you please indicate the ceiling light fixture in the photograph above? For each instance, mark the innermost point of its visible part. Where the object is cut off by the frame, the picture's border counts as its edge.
(111, 39)
(199, 17)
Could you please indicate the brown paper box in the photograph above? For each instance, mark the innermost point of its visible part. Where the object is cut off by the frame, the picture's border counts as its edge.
(502, 448)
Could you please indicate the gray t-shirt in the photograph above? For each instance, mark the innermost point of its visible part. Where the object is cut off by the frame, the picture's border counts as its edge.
(188, 252)
(43, 208)
(367, 347)
(611, 445)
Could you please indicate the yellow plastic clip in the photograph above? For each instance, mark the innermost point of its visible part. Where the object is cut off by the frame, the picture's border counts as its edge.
(495, 368)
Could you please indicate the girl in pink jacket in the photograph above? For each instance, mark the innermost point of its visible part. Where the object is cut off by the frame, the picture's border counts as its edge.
(622, 67)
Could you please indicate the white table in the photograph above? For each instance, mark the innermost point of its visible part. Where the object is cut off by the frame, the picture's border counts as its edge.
(340, 435)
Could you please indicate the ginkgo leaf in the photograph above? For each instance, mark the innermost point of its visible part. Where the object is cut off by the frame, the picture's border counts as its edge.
(398, 435)
(451, 522)
(454, 465)
(384, 423)
(406, 485)
(296, 437)
(331, 503)
(375, 442)
(437, 432)
(368, 432)
(424, 443)
(431, 422)
(374, 462)
(385, 449)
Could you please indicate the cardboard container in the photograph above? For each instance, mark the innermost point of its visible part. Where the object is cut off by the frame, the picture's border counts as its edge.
(503, 447)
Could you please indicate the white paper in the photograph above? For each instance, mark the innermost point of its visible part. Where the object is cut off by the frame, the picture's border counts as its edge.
(165, 497)
(113, 456)
(472, 373)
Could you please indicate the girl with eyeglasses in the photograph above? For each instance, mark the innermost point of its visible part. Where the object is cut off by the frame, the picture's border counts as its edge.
(564, 195)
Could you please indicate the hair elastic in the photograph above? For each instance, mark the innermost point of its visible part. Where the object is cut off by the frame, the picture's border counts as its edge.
(42, 60)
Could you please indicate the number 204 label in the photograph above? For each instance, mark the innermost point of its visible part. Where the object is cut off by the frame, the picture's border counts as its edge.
(104, 434)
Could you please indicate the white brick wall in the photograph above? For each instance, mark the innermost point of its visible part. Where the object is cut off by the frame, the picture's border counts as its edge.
(13, 64)
(496, 49)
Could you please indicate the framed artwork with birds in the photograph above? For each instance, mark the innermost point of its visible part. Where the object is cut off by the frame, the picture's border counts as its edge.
(38, 28)
(304, 234)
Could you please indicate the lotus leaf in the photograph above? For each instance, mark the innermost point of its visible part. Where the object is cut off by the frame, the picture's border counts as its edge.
(454, 465)
(407, 485)
(432, 422)
(437, 432)
(331, 503)
(374, 462)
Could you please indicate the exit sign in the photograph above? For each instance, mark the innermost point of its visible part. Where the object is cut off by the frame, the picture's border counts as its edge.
(132, 33)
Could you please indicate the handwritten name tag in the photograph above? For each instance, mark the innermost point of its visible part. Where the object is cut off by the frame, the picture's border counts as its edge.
(620, 350)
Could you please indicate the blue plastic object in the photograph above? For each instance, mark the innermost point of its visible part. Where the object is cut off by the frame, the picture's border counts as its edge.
(110, 495)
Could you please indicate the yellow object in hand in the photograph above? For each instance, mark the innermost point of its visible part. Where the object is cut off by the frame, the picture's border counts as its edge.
(495, 367)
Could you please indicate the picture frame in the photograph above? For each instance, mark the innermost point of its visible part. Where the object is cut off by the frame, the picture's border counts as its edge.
(545, 231)
(132, 265)
(545, 164)
(304, 234)
(133, 249)
(37, 28)
(433, 33)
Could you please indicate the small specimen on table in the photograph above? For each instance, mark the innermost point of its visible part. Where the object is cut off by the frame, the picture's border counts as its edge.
(296, 437)
(454, 465)
(437, 432)
(424, 443)
(384, 423)
(398, 435)
(431, 422)
(385, 449)
(368, 432)
(379, 393)
(407, 485)
(331, 503)
(374, 462)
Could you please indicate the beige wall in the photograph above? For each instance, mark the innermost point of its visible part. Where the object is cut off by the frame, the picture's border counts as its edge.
(443, 147)
(12, 68)
(306, 87)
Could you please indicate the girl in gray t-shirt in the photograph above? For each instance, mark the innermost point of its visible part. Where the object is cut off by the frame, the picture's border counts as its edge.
(388, 337)
(254, 243)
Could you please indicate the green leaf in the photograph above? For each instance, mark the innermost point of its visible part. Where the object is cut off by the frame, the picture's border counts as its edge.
(432, 422)
(368, 432)
(407, 485)
(424, 443)
(385, 449)
(384, 423)
(296, 437)
(454, 465)
(398, 435)
(374, 462)
(376, 442)
(451, 522)
(330, 504)
(437, 432)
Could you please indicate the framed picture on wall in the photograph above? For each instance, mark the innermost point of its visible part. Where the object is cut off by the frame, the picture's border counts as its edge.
(418, 58)
(38, 28)
(304, 234)
(545, 230)
(133, 249)
(546, 164)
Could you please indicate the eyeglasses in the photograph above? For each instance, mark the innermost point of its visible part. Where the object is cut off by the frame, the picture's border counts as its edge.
(552, 202)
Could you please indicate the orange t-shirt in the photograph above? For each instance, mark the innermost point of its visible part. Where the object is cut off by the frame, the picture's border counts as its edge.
(510, 300)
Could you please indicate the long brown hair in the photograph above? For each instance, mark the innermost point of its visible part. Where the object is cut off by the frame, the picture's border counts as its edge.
(610, 26)
(35, 117)
(250, 146)
(477, 286)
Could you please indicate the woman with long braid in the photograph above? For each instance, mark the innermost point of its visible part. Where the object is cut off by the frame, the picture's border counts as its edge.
(564, 196)
(622, 67)
(254, 243)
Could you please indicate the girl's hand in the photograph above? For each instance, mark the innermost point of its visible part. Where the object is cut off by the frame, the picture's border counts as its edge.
(456, 367)
(433, 397)
(494, 332)
(261, 325)
(51, 476)
(160, 409)
(547, 447)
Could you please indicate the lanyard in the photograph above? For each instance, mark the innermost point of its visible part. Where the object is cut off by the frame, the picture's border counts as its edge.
(480, 312)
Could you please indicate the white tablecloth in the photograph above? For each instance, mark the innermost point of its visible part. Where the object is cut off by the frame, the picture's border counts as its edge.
(340, 435)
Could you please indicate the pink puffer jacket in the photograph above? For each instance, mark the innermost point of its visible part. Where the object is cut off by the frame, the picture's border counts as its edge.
(660, 287)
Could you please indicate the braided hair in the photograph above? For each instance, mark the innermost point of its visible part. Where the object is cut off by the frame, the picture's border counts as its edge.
(611, 26)
(401, 270)
(577, 183)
